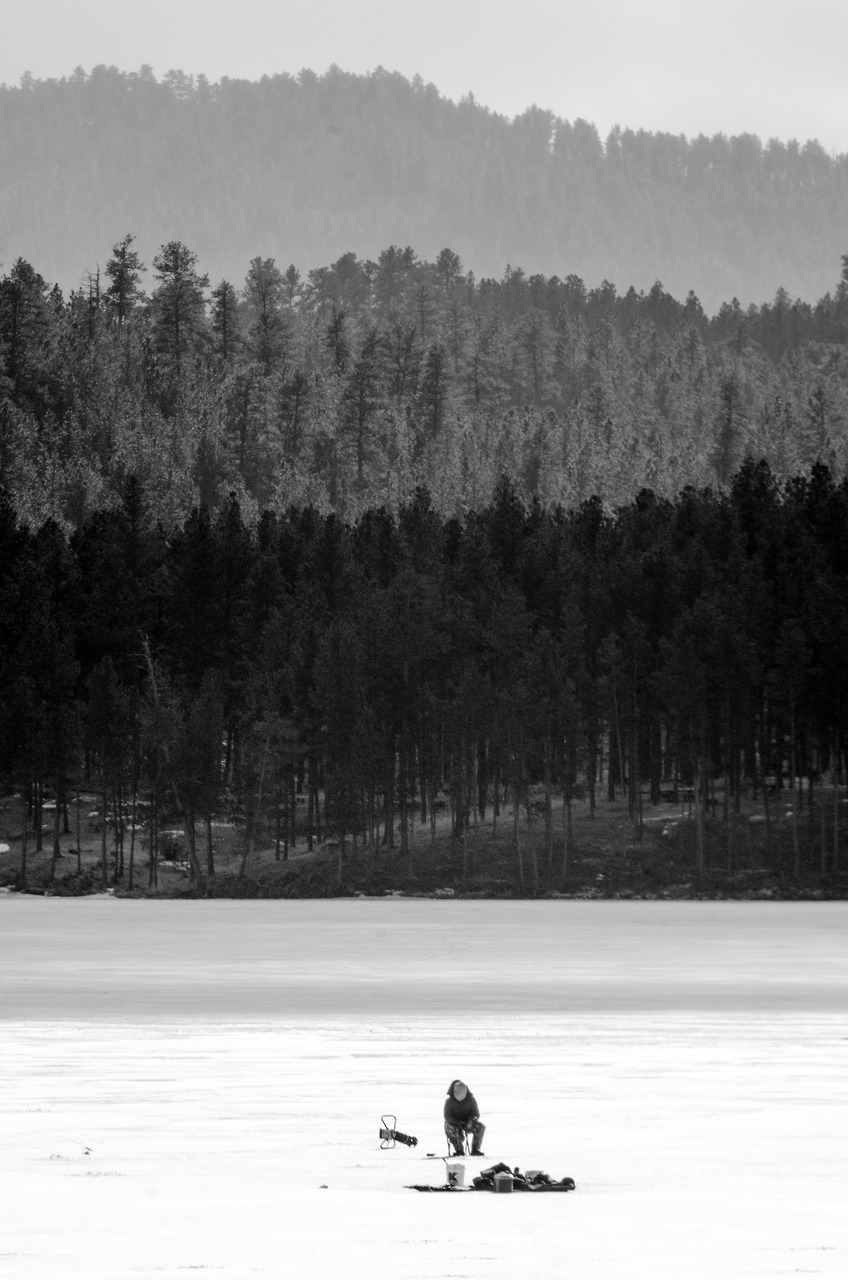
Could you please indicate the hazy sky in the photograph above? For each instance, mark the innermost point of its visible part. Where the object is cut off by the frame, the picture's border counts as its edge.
(772, 67)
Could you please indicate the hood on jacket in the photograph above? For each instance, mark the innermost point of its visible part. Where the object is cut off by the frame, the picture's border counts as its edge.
(451, 1091)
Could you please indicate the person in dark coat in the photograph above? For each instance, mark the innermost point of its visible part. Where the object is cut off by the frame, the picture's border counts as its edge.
(462, 1115)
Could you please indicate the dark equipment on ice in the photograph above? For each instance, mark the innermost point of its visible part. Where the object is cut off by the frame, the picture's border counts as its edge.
(493, 1180)
(390, 1135)
(530, 1180)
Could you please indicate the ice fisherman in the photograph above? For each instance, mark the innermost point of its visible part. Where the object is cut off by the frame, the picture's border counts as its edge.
(462, 1115)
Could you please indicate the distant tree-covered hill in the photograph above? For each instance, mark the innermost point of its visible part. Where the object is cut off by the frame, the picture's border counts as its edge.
(306, 168)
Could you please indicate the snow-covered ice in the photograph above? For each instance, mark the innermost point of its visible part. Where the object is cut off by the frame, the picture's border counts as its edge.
(197, 1087)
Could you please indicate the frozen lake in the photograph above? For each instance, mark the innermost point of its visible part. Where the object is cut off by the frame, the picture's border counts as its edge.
(197, 1086)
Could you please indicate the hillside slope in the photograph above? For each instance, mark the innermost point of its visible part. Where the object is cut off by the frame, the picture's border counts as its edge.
(305, 168)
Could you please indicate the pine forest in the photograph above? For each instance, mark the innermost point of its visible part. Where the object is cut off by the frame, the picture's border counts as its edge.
(386, 575)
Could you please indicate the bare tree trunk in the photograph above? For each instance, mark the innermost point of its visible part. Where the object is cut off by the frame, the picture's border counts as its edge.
(119, 835)
(228, 755)
(566, 817)
(403, 799)
(291, 807)
(372, 822)
(408, 820)
(796, 796)
(617, 721)
(389, 835)
(250, 834)
(700, 785)
(22, 874)
(516, 810)
(459, 787)
(153, 853)
(194, 861)
(57, 822)
(549, 823)
(37, 816)
(311, 805)
(104, 866)
(131, 863)
(79, 832)
(836, 776)
(318, 782)
(422, 783)
(496, 792)
(210, 849)
(534, 852)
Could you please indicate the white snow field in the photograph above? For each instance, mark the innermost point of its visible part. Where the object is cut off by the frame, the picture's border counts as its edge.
(196, 1087)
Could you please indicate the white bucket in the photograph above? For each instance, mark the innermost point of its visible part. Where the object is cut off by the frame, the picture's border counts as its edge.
(456, 1175)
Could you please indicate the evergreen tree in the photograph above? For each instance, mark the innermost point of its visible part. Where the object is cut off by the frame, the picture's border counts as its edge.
(124, 270)
(178, 309)
(264, 294)
(362, 398)
(226, 326)
(27, 332)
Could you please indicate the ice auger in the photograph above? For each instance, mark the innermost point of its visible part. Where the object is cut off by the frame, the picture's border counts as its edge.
(390, 1135)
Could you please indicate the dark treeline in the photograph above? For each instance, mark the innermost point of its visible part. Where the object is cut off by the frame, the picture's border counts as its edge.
(303, 167)
(349, 387)
(373, 668)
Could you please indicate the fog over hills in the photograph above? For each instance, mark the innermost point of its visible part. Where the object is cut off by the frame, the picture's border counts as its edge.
(304, 168)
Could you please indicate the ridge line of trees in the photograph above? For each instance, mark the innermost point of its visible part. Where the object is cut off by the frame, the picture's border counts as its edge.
(300, 167)
(349, 387)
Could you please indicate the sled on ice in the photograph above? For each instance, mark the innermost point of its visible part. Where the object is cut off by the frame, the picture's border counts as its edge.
(501, 1178)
